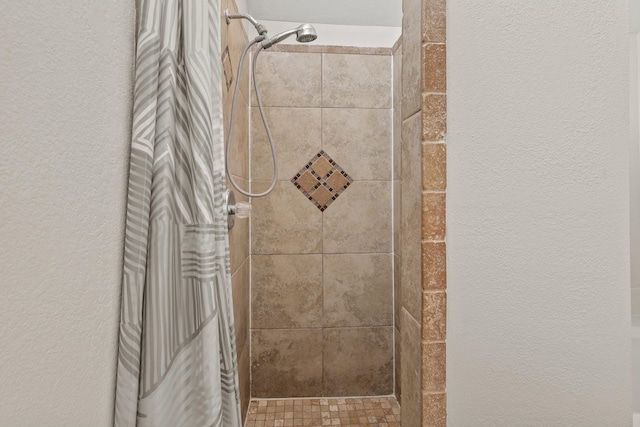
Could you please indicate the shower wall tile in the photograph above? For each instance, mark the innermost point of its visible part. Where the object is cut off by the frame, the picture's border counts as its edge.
(239, 160)
(240, 289)
(434, 266)
(239, 234)
(287, 291)
(397, 74)
(358, 290)
(434, 167)
(411, 371)
(237, 40)
(285, 222)
(411, 57)
(286, 362)
(359, 221)
(433, 216)
(289, 79)
(398, 364)
(232, 38)
(397, 142)
(434, 60)
(358, 361)
(397, 217)
(433, 366)
(411, 208)
(434, 21)
(359, 140)
(397, 290)
(224, 4)
(434, 409)
(434, 117)
(296, 135)
(244, 378)
(326, 273)
(361, 81)
(434, 316)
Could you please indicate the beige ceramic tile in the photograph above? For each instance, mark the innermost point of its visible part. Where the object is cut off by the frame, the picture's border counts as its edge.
(286, 362)
(358, 361)
(244, 376)
(397, 289)
(397, 217)
(359, 140)
(296, 136)
(434, 117)
(411, 218)
(318, 48)
(433, 366)
(411, 57)
(289, 79)
(434, 57)
(411, 371)
(434, 266)
(361, 81)
(398, 364)
(239, 234)
(240, 289)
(285, 222)
(359, 221)
(434, 167)
(224, 4)
(239, 159)
(434, 21)
(433, 216)
(286, 291)
(434, 410)
(434, 316)
(397, 76)
(358, 290)
(237, 40)
(397, 142)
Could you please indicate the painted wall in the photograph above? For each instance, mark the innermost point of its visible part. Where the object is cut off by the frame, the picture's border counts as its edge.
(66, 103)
(538, 213)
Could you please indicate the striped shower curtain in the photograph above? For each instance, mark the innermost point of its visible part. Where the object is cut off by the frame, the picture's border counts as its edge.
(177, 358)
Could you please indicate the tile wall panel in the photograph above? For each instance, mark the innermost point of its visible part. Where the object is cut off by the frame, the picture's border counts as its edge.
(233, 40)
(322, 264)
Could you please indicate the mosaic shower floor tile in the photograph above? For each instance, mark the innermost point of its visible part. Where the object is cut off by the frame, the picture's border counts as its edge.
(344, 412)
(322, 180)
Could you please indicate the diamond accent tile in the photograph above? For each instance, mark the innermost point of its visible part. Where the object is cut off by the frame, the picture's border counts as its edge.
(322, 180)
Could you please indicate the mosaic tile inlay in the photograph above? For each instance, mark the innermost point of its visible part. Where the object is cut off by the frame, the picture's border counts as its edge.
(345, 412)
(322, 180)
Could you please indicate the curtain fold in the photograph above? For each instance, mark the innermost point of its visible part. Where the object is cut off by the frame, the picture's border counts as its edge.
(177, 362)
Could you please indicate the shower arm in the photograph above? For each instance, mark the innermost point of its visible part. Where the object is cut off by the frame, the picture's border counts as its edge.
(261, 29)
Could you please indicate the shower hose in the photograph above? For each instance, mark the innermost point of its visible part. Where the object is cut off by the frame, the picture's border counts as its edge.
(262, 115)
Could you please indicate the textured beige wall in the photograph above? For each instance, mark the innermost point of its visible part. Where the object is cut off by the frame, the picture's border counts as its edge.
(66, 75)
(538, 213)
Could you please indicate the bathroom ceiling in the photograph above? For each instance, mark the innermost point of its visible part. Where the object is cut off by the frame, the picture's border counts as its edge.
(386, 13)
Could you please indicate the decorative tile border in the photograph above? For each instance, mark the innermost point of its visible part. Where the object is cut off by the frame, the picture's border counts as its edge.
(322, 180)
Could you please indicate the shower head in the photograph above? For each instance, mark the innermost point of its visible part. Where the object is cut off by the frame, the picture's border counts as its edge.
(305, 33)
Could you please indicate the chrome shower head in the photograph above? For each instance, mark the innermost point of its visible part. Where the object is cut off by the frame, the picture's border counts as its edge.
(305, 33)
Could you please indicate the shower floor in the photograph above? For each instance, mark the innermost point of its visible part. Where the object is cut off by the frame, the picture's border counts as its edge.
(317, 412)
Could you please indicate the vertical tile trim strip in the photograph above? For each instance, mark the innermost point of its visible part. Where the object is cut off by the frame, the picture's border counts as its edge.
(434, 127)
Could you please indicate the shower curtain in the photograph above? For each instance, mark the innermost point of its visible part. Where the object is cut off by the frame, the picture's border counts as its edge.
(177, 358)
